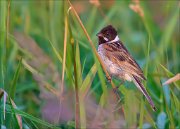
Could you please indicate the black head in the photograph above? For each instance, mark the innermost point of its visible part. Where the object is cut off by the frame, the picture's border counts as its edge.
(107, 34)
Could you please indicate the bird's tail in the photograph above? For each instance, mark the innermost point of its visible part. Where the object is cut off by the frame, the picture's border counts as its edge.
(140, 86)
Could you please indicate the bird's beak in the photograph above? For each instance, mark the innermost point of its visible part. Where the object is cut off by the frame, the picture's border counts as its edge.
(99, 34)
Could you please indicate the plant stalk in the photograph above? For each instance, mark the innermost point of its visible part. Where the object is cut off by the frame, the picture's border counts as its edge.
(77, 108)
(94, 49)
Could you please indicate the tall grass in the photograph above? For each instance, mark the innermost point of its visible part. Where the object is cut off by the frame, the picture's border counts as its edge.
(52, 77)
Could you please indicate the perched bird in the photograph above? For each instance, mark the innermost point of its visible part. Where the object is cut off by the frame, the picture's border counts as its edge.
(118, 61)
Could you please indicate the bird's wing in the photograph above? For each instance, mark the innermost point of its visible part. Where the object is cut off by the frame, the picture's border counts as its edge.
(117, 53)
(141, 87)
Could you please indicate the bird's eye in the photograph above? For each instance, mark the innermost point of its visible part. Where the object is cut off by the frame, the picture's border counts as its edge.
(107, 34)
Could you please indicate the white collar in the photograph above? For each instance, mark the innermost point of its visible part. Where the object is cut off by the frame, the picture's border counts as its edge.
(114, 40)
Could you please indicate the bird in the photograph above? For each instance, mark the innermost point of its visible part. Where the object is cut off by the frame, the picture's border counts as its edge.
(118, 61)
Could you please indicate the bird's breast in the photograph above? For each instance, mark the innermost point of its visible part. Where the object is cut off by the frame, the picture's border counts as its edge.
(111, 67)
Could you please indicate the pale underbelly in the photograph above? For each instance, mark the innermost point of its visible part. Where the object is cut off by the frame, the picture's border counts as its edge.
(113, 69)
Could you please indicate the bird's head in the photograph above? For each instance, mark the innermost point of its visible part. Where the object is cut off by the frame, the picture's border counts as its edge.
(107, 34)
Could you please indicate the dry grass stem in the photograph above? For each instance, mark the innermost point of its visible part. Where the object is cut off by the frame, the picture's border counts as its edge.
(95, 2)
(40, 78)
(92, 46)
(7, 27)
(173, 79)
(64, 56)
(137, 8)
(5, 95)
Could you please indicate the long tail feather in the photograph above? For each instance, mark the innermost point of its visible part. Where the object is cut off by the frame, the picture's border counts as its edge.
(140, 86)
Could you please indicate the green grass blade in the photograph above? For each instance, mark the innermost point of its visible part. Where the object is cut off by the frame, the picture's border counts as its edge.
(32, 118)
(170, 74)
(129, 111)
(88, 81)
(56, 52)
(141, 119)
(176, 102)
(150, 119)
(16, 117)
(3, 14)
(168, 31)
(145, 73)
(82, 114)
(170, 117)
(92, 17)
(14, 82)
(78, 65)
(103, 82)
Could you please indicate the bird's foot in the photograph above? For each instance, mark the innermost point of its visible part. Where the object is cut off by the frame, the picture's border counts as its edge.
(115, 90)
(121, 83)
(109, 78)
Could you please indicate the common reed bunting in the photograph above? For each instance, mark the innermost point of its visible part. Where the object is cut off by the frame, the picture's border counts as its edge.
(118, 61)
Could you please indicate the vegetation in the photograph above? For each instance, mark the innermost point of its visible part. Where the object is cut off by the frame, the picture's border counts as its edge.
(50, 75)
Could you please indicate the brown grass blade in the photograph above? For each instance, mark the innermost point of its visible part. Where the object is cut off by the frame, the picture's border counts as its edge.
(77, 108)
(40, 78)
(136, 7)
(18, 117)
(95, 2)
(92, 46)
(173, 79)
(64, 56)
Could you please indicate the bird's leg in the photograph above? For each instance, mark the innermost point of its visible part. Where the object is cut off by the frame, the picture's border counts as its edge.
(109, 78)
(116, 89)
(121, 83)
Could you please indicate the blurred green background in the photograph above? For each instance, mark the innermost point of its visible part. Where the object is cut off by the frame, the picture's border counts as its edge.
(32, 74)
